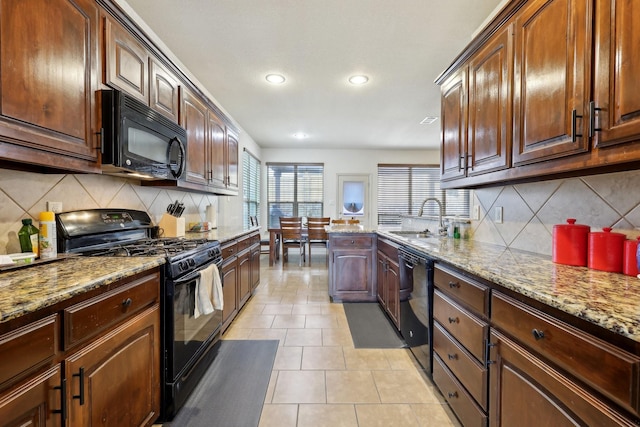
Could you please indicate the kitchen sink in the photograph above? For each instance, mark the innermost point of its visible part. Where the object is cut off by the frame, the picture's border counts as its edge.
(413, 234)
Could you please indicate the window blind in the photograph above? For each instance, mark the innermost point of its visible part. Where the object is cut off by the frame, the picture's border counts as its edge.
(294, 189)
(402, 189)
(250, 187)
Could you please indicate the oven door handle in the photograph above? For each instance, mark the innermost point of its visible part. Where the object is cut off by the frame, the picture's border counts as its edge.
(194, 274)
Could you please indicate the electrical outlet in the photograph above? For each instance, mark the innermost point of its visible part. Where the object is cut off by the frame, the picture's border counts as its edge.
(55, 207)
(497, 214)
(476, 212)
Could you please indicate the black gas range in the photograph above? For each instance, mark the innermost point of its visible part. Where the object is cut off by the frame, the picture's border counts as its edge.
(187, 339)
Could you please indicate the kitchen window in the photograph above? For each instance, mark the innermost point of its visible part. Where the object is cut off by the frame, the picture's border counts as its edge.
(250, 186)
(294, 189)
(402, 188)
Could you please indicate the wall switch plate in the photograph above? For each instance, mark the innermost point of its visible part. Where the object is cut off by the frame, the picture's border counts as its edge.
(476, 212)
(55, 207)
(497, 214)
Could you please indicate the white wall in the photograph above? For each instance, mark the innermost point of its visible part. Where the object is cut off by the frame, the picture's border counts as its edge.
(342, 162)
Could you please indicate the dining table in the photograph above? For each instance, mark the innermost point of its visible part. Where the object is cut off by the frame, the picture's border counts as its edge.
(275, 236)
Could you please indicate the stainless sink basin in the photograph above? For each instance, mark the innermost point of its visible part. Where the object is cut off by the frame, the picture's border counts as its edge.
(412, 234)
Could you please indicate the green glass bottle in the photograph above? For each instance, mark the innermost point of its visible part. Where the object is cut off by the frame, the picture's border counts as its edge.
(28, 236)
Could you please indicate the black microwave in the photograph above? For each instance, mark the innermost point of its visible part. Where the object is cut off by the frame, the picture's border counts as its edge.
(138, 142)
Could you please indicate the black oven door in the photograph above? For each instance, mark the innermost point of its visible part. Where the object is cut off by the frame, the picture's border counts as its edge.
(187, 337)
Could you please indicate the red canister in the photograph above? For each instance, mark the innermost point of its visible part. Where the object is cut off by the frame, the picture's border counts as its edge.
(629, 261)
(570, 243)
(605, 250)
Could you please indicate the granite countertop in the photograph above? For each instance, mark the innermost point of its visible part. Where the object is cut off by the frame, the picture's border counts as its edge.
(26, 290)
(609, 300)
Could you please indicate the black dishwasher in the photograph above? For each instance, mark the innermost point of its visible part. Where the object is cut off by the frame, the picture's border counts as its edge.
(416, 311)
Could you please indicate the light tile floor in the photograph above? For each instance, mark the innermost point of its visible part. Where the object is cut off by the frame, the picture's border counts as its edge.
(319, 378)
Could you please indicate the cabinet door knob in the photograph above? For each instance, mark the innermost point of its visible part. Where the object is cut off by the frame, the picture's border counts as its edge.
(454, 284)
(537, 334)
(454, 320)
(452, 356)
(452, 394)
(126, 303)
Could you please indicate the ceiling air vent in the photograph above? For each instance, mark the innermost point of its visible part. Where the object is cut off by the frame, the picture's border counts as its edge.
(428, 120)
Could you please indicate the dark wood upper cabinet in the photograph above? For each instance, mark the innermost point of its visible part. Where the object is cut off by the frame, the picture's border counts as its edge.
(48, 76)
(489, 133)
(164, 96)
(615, 112)
(551, 81)
(453, 116)
(126, 61)
(194, 119)
(217, 139)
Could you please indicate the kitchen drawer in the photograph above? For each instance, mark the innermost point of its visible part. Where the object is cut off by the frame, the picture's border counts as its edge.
(459, 400)
(610, 370)
(28, 347)
(255, 239)
(365, 242)
(89, 318)
(388, 249)
(229, 249)
(469, 330)
(469, 372)
(244, 243)
(473, 295)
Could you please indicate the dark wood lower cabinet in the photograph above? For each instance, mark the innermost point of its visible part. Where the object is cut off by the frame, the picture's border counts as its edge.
(33, 403)
(388, 280)
(229, 292)
(112, 381)
(527, 392)
(352, 274)
(108, 376)
(240, 273)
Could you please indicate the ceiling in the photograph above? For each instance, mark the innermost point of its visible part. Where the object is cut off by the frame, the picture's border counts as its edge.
(401, 45)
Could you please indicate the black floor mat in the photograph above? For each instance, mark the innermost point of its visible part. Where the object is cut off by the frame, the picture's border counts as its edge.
(232, 391)
(370, 327)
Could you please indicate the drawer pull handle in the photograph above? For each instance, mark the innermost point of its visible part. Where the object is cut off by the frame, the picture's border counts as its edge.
(454, 320)
(452, 356)
(353, 242)
(126, 303)
(452, 394)
(80, 395)
(454, 284)
(537, 334)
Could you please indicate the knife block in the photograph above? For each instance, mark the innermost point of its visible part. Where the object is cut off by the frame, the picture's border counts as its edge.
(171, 226)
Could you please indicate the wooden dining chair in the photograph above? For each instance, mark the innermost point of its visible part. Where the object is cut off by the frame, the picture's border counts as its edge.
(317, 235)
(353, 221)
(292, 237)
(338, 221)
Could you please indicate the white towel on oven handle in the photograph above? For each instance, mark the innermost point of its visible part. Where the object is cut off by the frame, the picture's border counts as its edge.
(208, 295)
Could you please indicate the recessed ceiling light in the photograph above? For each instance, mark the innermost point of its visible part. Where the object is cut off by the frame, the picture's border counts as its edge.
(358, 80)
(428, 120)
(275, 78)
(300, 135)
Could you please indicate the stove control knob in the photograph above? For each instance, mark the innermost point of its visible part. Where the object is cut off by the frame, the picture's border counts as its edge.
(183, 265)
(192, 262)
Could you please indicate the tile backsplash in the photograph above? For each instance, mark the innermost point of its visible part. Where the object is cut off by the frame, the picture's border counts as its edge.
(24, 195)
(531, 210)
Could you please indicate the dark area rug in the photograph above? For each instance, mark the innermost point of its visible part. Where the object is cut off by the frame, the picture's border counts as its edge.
(232, 391)
(370, 327)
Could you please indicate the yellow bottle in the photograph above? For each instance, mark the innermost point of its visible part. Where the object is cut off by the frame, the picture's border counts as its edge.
(47, 237)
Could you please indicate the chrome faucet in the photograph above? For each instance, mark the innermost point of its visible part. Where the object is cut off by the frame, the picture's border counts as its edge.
(441, 229)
